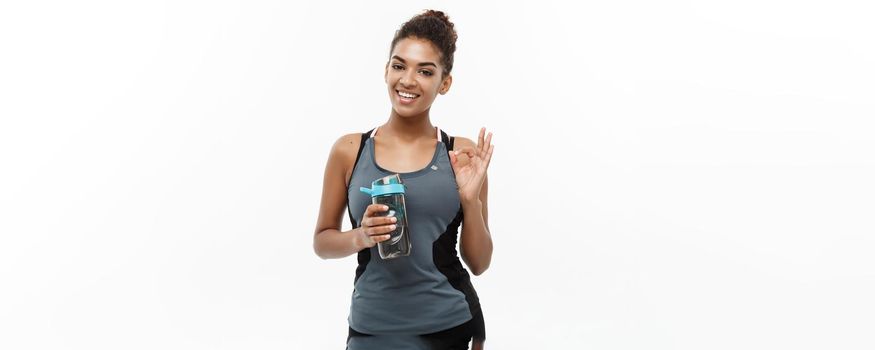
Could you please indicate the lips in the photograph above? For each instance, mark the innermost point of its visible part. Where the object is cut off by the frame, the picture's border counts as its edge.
(406, 97)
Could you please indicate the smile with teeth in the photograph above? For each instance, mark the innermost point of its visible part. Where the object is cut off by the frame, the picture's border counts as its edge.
(407, 95)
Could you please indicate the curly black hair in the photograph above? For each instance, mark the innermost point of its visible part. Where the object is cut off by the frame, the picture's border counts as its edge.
(434, 26)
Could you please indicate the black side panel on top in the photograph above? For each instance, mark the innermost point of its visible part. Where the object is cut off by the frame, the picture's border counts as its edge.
(364, 255)
(447, 261)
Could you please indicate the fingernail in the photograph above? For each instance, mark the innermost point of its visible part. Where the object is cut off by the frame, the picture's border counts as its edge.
(393, 227)
(394, 219)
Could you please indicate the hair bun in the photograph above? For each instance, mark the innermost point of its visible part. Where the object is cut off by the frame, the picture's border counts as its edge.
(443, 17)
(439, 14)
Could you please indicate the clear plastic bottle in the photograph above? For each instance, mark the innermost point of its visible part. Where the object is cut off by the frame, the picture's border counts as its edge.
(389, 191)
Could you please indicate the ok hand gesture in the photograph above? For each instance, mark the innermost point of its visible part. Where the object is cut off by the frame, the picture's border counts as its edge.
(470, 176)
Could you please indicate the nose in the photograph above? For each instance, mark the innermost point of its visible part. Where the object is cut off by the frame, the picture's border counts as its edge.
(408, 79)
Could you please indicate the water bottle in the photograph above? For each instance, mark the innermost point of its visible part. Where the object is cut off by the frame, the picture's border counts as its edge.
(389, 191)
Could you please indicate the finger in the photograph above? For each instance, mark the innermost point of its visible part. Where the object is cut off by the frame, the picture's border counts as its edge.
(474, 157)
(378, 239)
(383, 220)
(488, 157)
(480, 138)
(376, 221)
(486, 145)
(371, 241)
(468, 151)
(380, 230)
(375, 208)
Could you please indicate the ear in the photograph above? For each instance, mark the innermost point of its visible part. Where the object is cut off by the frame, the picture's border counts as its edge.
(386, 73)
(445, 84)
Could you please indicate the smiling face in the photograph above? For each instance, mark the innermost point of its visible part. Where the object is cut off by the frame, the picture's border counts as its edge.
(415, 77)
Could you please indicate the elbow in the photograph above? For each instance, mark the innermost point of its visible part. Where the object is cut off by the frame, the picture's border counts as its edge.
(317, 248)
(323, 253)
(477, 264)
(317, 251)
(479, 270)
(320, 254)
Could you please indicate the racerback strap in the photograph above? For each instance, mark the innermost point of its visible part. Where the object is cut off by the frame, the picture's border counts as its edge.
(365, 136)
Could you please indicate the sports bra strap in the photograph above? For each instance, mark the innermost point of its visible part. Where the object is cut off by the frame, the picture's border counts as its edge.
(441, 136)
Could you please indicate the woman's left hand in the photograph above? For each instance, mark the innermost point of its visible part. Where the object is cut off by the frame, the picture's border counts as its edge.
(469, 177)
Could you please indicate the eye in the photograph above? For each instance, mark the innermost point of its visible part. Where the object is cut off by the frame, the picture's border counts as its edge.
(397, 67)
(427, 73)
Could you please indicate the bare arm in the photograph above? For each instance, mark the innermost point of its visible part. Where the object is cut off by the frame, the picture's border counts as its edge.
(329, 242)
(476, 240)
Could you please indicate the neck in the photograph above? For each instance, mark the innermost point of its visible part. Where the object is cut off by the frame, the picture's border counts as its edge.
(408, 128)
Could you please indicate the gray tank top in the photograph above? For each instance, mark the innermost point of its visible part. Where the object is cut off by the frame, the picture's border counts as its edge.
(429, 290)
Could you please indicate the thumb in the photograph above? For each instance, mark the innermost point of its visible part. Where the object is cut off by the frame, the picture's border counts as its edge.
(453, 159)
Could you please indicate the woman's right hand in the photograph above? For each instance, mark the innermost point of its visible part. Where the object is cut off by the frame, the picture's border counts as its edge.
(374, 229)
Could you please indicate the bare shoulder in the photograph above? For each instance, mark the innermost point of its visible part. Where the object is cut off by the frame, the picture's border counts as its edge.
(343, 154)
(463, 142)
(347, 145)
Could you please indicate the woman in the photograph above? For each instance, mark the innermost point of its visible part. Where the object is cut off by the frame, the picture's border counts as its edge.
(424, 300)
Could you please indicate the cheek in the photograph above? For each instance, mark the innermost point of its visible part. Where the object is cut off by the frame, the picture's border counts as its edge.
(430, 85)
(435, 89)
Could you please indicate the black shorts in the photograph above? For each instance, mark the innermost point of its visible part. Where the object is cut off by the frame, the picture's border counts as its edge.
(454, 338)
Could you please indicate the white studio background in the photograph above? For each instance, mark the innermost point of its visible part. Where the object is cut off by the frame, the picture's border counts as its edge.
(667, 175)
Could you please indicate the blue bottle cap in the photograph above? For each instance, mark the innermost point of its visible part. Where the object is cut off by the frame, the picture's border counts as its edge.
(383, 186)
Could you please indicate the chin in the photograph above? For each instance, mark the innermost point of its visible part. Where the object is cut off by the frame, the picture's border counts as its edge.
(407, 112)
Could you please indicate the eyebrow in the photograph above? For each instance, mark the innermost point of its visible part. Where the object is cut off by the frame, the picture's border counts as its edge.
(420, 64)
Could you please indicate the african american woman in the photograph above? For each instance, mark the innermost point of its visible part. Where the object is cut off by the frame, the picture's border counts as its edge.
(424, 300)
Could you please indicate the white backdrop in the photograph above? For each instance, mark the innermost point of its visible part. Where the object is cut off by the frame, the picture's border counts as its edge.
(667, 175)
